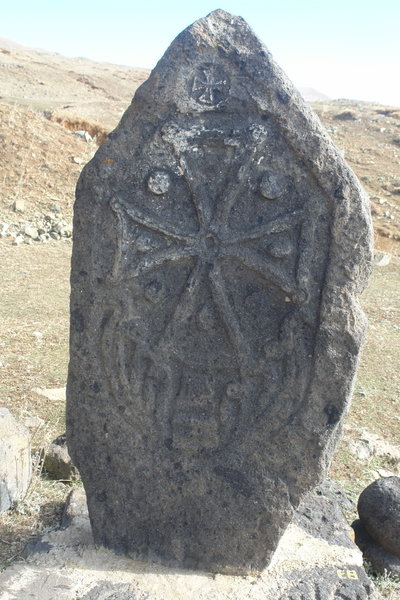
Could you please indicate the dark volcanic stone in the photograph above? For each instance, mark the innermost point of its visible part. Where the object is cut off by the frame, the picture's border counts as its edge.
(57, 462)
(322, 518)
(381, 560)
(330, 584)
(220, 245)
(379, 510)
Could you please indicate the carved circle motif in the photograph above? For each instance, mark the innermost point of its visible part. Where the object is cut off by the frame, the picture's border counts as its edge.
(210, 85)
(153, 291)
(273, 185)
(159, 182)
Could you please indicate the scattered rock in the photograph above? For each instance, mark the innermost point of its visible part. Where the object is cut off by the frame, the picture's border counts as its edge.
(78, 160)
(19, 239)
(382, 259)
(361, 449)
(369, 444)
(347, 115)
(31, 232)
(57, 461)
(85, 135)
(19, 205)
(379, 511)
(56, 394)
(33, 422)
(4, 229)
(15, 460)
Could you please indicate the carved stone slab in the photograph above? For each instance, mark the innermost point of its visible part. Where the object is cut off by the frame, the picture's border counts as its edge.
(220, 244)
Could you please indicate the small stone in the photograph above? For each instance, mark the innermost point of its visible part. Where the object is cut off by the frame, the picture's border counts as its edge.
(85, 135)
(67, 232)
(58, 227)
(19, 205)
(19, 239)
(77, 160)
(15, 460)
(54, 235)
(56, 394)
(379, 510)
(31, 232)
(56, 208)
(4, 229)
(361, 449)
(33, 422)
(57, 461)
(347, 115)
(382, 259)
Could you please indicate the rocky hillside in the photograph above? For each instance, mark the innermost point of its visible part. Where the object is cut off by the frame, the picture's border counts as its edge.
(54, 111)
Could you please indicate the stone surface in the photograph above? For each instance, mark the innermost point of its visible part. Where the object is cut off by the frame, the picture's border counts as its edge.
(379, 511)
(381, 561)
(367, 444)
(15, 460)
(220, 245)
(55, 394)
(382, 259)
(332, 490)
(57, 461)
(318, 562)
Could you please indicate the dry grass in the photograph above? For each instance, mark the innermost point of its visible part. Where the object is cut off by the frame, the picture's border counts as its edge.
(34, 353)
(97, 132)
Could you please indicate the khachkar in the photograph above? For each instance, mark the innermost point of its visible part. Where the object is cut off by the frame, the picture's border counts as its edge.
(220, 243)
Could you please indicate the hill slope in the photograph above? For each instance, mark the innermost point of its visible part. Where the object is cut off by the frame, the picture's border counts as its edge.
(46, 97)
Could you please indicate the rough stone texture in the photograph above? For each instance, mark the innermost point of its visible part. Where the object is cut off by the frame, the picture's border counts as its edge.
(316, 563)
(332, 491)
(15, 460)
(220, 245)
(321, 517)
(57, 461)
(379, 511)
(381, 561)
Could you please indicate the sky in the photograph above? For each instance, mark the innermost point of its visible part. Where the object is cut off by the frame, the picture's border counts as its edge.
(342, 48)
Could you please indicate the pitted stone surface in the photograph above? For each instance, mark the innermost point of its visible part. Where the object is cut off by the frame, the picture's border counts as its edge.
(220, 245)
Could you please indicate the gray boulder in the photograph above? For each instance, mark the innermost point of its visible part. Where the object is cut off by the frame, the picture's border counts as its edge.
(379, 511)
(15, 460)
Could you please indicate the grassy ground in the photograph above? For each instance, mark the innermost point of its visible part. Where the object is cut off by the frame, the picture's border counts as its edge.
(34, 353)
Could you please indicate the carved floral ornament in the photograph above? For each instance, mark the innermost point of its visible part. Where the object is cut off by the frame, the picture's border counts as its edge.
(214, 243)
